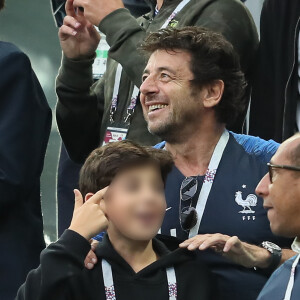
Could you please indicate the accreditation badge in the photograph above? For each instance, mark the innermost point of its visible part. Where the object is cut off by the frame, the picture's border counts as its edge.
(114, 134)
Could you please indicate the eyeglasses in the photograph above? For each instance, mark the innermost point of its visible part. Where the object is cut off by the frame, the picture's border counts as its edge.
(271, 167)
(188, 215)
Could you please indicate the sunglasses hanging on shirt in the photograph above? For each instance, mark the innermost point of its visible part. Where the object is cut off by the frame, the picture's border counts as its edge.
(188, 215)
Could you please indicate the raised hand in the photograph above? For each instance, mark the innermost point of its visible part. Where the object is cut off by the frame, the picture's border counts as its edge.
(78, 37)
(89, 218)
(96, 10)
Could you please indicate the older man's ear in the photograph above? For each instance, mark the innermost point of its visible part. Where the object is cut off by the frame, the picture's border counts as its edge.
(212, 93)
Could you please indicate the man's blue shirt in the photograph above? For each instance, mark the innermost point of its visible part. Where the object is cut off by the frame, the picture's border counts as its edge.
(233, 209)
(276, 286)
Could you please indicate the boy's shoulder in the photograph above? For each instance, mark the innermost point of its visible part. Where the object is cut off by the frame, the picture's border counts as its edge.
(193, 275)
(173, 255)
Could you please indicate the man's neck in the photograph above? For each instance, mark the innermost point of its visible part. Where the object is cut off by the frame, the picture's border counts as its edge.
(192, 155)
(138, 254)
(159, 4)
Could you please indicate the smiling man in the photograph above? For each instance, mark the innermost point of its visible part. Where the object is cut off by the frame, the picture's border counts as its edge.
(85, 110)
(280, 189)
(91, 113)
(192, 89)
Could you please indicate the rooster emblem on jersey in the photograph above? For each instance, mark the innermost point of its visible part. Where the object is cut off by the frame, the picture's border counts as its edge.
(249, 202)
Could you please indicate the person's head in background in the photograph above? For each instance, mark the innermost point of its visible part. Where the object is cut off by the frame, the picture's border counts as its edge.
(280, 189)
(2, 4)
(192, 80)
(135, 201)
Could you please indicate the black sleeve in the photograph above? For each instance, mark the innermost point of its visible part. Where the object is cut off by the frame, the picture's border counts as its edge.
(265, 87)
(79, 108)
(60, 262)
(25, 123)
(195, 281)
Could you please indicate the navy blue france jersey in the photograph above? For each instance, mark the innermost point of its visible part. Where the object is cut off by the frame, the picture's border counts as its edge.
(233, 209)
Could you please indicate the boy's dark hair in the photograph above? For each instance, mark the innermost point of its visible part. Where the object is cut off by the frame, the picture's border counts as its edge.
(212, 58)
(105, 162)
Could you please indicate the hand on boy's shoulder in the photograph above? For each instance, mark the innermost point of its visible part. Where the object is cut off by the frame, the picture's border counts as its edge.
(91, 259)
(88, 217)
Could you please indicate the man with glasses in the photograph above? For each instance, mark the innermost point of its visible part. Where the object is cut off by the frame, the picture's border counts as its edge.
(280, 190)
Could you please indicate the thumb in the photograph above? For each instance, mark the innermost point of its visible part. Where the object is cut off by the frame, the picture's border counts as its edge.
(78, 199)
(98, 196)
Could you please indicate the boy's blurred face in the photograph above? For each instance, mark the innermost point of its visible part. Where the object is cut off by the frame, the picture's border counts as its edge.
(135, 203)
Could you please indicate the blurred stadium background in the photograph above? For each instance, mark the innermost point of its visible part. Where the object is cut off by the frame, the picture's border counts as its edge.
(31, 26)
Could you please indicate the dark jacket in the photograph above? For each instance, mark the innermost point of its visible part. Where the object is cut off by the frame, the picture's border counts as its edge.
(275, 88)
(83, 108)
(25, 122)
(61, 274)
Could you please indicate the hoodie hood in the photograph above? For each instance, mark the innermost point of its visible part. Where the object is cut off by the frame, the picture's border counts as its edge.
(165, 246)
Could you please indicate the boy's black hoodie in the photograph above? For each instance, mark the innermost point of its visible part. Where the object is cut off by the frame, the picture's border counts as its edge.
(61, 274)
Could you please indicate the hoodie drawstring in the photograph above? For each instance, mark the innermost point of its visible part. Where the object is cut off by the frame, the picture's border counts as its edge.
(109, 282)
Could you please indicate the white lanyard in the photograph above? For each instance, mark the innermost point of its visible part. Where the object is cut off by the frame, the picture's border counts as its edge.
(290, 285)
(209, 179)
(135, 93)
(179, 7)
(114, 100)
(109, 282)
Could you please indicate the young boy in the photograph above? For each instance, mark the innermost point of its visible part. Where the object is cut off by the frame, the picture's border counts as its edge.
(133, 264)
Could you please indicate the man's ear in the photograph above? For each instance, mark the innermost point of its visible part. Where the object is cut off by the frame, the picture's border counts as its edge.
(213, 93)
(88, 196)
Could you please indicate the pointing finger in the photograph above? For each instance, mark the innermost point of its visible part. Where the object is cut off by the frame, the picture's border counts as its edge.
(70, 8)
(96, 198)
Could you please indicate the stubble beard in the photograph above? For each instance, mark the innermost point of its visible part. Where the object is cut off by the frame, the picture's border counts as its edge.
(170, 129)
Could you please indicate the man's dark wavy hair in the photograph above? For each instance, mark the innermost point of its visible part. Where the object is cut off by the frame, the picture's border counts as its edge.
(212, 58)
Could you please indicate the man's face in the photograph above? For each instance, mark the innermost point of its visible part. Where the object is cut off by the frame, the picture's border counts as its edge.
(135, 203)
(169, 106)
(282, 196)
